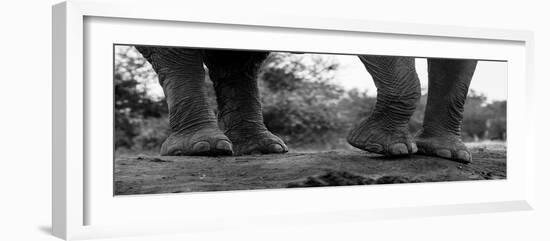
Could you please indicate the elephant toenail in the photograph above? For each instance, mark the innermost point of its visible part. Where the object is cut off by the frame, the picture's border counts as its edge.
(399, 149)
(443, 153)
(414, 148)
(201, 146)
(276, 148)
(223, 145)
(464, 156)
(373, 147)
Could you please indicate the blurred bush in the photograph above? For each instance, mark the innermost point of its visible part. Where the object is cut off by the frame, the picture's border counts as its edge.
(301, 104)
(483, 120)
(134, 108)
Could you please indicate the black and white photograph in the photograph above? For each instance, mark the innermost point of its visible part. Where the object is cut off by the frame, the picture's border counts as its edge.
(200, 120)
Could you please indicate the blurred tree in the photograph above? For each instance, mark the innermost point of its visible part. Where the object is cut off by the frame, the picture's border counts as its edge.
(474, 125)
(299, 101)
(132, 104)
(497, 121)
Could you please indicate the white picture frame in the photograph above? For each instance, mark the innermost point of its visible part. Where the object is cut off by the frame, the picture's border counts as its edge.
(83, 204)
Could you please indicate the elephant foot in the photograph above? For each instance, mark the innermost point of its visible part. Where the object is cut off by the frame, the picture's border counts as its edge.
(204, 142)
(446, 146)
(375, 136)
(261, 142)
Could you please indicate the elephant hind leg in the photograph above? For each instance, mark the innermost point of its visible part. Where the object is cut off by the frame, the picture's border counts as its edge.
(448, 81)
(192, 121)
(234, 76)
(386, 131)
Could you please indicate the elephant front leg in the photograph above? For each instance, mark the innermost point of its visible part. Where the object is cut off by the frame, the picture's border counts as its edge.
(240, 112)
(386, 130)
(192, 121)
(449, 81)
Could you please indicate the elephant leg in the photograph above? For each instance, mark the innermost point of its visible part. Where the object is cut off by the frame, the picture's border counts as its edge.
(234, 74)
(386, 130)
(194, 127)
(448, 83)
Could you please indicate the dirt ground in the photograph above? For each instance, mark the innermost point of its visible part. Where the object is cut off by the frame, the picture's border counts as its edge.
(154, 174)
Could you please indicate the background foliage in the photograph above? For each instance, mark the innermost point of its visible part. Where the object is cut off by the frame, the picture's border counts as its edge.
(300, 102)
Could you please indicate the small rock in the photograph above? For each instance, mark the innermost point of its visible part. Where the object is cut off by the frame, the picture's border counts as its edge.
(156, 159)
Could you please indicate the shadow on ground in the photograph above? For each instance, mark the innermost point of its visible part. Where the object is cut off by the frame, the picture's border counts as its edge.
(154, 174)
